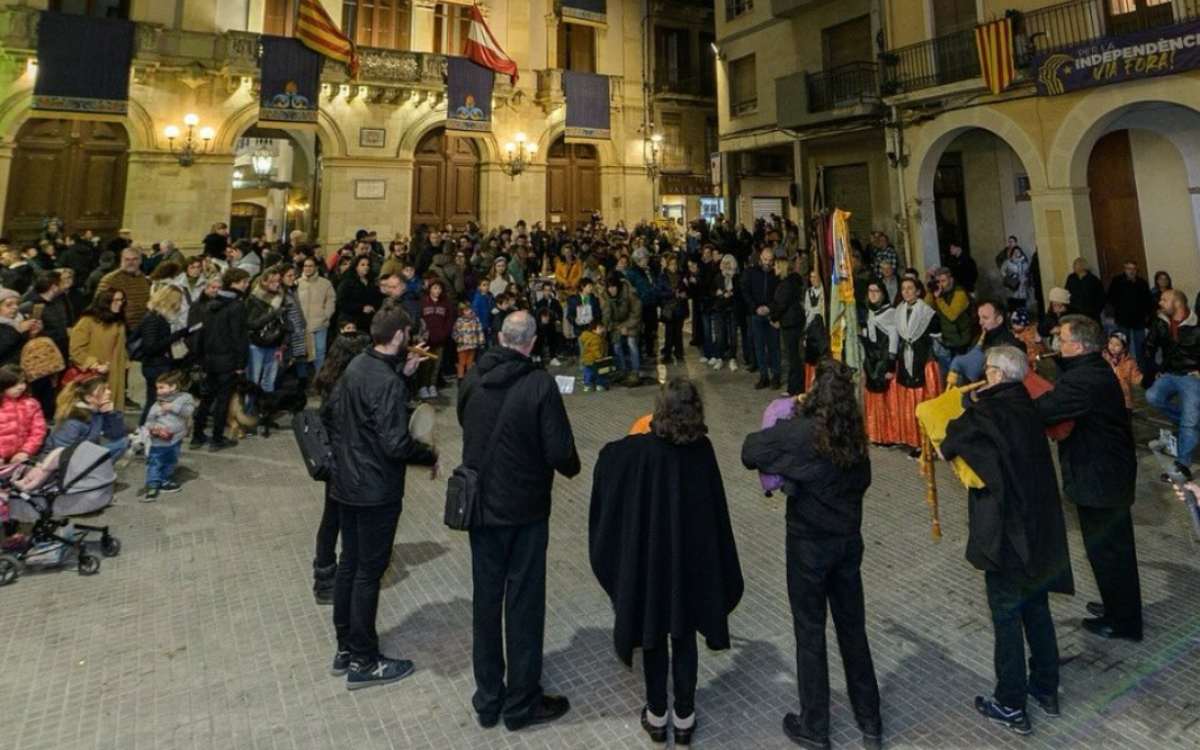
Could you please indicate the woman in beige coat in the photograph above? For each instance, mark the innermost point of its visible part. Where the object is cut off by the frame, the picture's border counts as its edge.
(98, 342)
(318, 301)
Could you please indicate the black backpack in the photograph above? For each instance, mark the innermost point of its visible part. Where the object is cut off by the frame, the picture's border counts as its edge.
(314, 446)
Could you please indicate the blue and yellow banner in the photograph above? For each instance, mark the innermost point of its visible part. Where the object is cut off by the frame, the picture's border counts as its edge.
(588, 109)
(468, 96)
(291, 82)
(1130, 57)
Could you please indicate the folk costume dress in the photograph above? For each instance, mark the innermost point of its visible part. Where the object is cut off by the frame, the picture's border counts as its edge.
(918, 376)
(816, 335)
(881, 345)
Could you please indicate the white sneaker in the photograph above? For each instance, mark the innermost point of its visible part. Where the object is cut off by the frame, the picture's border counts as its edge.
(600, 389)
(587, 389)
(708, 360)
(433, 391)
(555, 362)
(733, 365)
(715, 363)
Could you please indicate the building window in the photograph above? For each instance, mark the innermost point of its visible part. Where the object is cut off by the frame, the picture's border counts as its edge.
(735, 8)
(674, 153)
(378, 23)
(451, 25)
(97, 8)
(577, 47)
(847, 43)
(743, 86)
(951, 16)
(712, 135)
(672, 63)
(708, 65)
(279, 17)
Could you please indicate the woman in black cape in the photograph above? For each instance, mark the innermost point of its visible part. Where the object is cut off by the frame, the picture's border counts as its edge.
(662, 547)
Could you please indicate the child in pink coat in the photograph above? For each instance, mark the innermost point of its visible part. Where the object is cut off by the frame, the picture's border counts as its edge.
(22, 426)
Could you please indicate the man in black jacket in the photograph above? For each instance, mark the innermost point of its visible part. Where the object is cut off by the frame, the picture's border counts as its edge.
(224, 347)
(516, 435)
(1129, 295)
(1176, 334)
(1099, 471)
(1087, 290)
(758, 291)
(366, 418)
(1017, 536)
(787, 311)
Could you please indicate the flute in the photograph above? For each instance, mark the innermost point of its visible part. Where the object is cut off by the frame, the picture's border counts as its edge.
(425, 354)
(1048, 355)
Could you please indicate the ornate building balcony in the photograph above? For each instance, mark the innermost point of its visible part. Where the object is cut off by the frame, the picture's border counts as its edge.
(549, 93)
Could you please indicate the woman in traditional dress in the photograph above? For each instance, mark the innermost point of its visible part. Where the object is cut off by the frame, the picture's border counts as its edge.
(881, 344)
(918, 376)
(816, 335)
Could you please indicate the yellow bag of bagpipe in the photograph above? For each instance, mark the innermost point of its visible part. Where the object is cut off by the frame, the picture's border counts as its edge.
(934, 417)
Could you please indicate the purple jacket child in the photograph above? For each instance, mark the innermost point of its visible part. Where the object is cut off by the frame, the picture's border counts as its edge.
(779, 409)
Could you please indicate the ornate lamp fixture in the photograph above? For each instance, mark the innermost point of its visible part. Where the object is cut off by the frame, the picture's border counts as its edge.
(517, 156)
(186, 153)
(263, 162)
(651, 151)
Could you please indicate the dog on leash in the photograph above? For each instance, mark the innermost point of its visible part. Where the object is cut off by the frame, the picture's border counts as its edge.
(289, 397)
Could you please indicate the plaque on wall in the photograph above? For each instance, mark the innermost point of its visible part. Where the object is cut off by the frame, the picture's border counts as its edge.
(372, 137)
(370, 189)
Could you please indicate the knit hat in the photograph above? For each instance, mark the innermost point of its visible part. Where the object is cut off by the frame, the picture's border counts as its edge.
(1060, 295)
(1019, 317)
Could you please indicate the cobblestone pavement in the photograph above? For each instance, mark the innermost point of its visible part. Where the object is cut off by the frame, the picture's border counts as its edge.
(204, 634)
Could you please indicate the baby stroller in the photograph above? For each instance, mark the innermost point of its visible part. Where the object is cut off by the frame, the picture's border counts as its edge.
(67, 482)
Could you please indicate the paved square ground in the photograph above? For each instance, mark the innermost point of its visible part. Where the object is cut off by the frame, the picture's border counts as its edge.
(204, 634)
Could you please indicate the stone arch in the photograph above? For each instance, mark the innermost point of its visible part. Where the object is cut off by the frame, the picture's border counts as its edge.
(556, 126)
(17, 109)
(936, 137)
(490, 151)
(333, 141)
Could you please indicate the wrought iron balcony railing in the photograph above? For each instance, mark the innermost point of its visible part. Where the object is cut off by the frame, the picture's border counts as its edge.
(843, 86)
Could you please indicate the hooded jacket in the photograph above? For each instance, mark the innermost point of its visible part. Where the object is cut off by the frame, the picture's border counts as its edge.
(533, 440)
(367, 420)
(622, 312)
(224, 340)
(171, 414)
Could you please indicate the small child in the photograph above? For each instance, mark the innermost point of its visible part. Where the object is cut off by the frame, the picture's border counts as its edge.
(468, 338)
(482, 303)
(1028, 335)
(593, 347)
(22, 425)
(505, 304)
(167, 423)
(1125, 367)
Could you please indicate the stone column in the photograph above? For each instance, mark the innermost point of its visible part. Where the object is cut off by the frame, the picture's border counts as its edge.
(1063, 230)
(551, 40)
(6, 160)
(166, 201)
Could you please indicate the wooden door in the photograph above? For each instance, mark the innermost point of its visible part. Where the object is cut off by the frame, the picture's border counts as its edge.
(950, 204)
(445, 180)
(572, 183)
(1116, 216)
(72, 169)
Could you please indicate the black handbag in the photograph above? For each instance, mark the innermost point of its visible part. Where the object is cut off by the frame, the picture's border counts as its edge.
(271, 333)
(464, 490)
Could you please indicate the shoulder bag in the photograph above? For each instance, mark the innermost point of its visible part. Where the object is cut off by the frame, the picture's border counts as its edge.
(464, 490)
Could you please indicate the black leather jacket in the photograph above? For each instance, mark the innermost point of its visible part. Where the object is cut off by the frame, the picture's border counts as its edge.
(1180, 356)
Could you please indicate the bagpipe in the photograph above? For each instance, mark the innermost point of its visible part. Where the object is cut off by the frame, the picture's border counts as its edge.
(934, 417)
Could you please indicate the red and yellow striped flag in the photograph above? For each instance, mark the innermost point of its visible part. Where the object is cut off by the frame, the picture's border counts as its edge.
(995, 44)
(317, 31)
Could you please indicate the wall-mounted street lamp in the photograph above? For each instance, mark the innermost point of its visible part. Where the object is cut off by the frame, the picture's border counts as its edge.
(652, 155)
(517, 156)
(186, 153)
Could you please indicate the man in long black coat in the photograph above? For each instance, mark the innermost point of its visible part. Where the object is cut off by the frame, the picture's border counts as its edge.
(1017, 535)
(1099, 472)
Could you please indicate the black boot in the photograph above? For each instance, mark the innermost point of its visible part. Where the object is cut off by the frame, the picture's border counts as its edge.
(323, 583)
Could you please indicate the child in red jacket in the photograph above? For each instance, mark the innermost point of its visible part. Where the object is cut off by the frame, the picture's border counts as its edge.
(22, 426)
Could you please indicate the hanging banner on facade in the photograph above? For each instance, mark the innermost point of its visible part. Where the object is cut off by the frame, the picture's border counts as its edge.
(83, 64)
(585, 10)
(843, 314)
(1130, 57)
(468, 96)
(291, 82)
(994, 42)
(587, 106)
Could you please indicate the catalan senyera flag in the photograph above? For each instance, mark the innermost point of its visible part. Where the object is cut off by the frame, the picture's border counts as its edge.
(482, 48)
(319, 33)
(994, 41)
(844, 343)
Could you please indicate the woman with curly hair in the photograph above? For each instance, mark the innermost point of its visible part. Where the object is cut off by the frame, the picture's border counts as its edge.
(821, 454)
(662, 548)
(345, 348)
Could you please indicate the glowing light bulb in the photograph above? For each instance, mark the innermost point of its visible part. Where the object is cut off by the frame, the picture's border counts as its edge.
(191, 120)
(171, 132)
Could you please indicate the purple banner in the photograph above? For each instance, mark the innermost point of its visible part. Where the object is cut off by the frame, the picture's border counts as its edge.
(1130, 57)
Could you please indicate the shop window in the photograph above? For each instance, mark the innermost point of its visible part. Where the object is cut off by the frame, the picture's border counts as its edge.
(577, 47)
(378, 23)
(743, 86)
(96, 8)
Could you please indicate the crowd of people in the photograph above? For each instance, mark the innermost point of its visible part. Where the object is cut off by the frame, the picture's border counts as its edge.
(228, 336)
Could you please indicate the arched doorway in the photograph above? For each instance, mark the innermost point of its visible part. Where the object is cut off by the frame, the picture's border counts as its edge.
(276, 171)
(72, 169)
(445, 180)
(978, 189)
(572, 183)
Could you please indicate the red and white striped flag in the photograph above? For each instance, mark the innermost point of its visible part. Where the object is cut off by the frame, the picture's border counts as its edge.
(483, 49)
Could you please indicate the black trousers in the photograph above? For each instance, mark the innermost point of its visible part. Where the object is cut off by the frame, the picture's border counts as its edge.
(218, 389)
(327, 533)
(793, 353)
(367, 537)
(1020, 613)
(44, 392)
(820, 573)
(508, 571)
(649, 340)
(1112, 552)
(683, 664)
(697, 323)
(673, 339)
